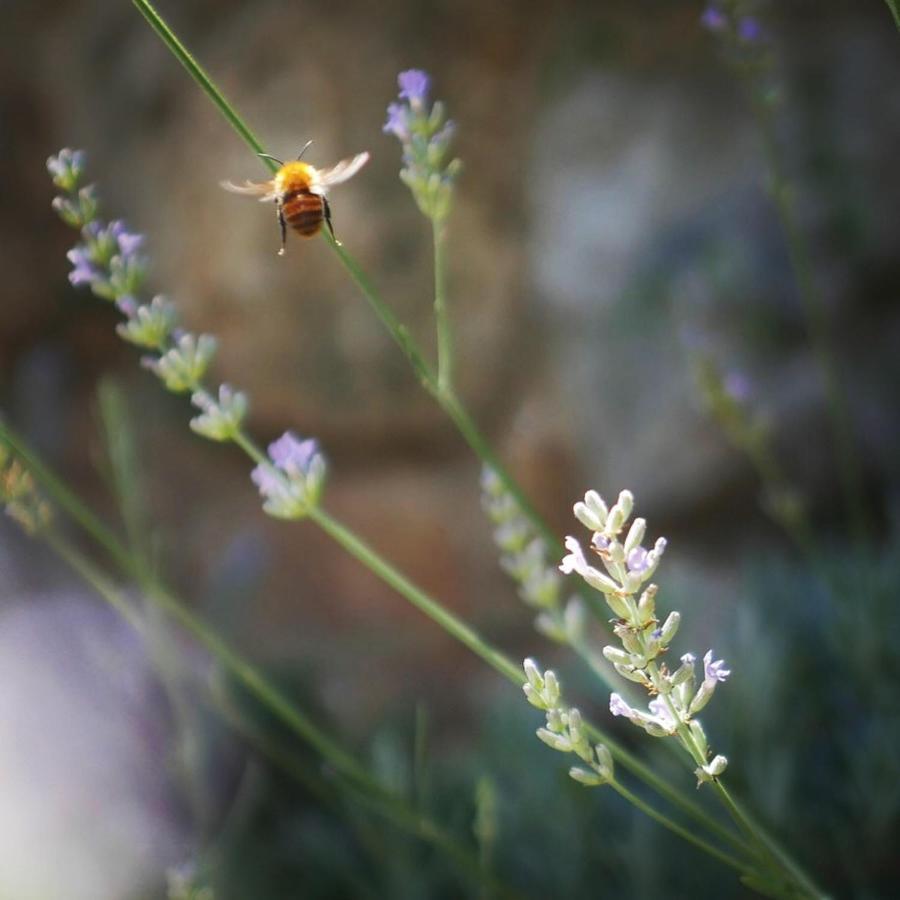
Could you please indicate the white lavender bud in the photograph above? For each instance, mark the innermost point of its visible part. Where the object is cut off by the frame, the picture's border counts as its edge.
(219, 420)
(585, 777)
(635, 535)
(184, 366)
(148, 325)
(669, 628)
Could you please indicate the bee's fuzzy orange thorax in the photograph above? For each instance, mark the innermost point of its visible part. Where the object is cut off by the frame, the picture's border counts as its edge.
(294, 176)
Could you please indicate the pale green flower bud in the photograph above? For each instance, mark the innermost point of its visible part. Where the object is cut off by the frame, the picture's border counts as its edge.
(150, 325)
(533, 674)
(669, 628)
(556, 741)
(219, 421)
(635, 535)
(583, 776)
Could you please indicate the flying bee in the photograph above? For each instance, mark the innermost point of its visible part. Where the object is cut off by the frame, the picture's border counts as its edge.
(299, 191)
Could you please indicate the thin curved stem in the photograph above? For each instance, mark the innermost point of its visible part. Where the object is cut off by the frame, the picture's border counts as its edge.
(689, 836)
(894, 7)
(441, 317)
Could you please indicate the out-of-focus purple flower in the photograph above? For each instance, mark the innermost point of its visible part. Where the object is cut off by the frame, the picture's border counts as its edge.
(738, 386)
(83, 271)
(397, 121)
(618, 707)
(413, 86)
(749, 30)
(714, 670)
(293, 455)
(637, 561)
(714, 19)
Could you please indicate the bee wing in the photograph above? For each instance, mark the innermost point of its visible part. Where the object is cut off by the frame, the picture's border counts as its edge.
(265, 190)
(345, 169)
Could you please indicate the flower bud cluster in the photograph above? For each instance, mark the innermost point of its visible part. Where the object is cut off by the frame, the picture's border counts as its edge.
(526, 559)
(627, 568)
(107, 261)
(291, 481)
(425, 135)
(19, 496)
(564, 729)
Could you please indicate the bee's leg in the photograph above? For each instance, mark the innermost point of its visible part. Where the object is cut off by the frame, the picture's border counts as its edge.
(327, 209)
(283, 225)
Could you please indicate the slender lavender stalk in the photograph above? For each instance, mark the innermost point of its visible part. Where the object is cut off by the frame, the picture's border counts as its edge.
(425, 135)
(743, 38)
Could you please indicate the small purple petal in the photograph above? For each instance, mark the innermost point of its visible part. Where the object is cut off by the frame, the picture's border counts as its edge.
(397, 123)
(83, 272)
(618, 707)
(291, 454)
(637, 561)
(413, 86)
(266, 480)
(600, 541)
(129, 243)
(714, 670)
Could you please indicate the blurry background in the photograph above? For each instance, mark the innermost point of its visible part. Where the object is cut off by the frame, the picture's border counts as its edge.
(612, 217)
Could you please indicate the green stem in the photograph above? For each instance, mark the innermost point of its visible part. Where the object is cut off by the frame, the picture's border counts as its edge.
(894, 7)
(766, 842)
(196, 71)
(817, 325)
(444, 332)
(689, 836)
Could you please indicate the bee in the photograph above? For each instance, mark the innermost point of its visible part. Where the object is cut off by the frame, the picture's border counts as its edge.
(299, 191)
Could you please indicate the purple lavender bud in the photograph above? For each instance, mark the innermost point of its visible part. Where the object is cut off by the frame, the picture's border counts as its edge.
(129, 243)
(600, 542)
(83, 271)
(127, 305)
(714, 19)
(293, 455)
(397, 122)
(749, 30)
(637, 561)
(266, 480)
(413, 86)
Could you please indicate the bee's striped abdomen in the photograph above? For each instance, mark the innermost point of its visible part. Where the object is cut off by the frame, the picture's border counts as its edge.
(303, 211)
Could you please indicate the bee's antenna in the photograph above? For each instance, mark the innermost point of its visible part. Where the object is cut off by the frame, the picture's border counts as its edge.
(269, 156)
(305, 148)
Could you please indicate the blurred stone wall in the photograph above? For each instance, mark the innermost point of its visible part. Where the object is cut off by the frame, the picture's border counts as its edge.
(609, 157)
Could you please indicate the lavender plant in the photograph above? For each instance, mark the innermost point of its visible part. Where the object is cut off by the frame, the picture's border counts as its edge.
(290, 479)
